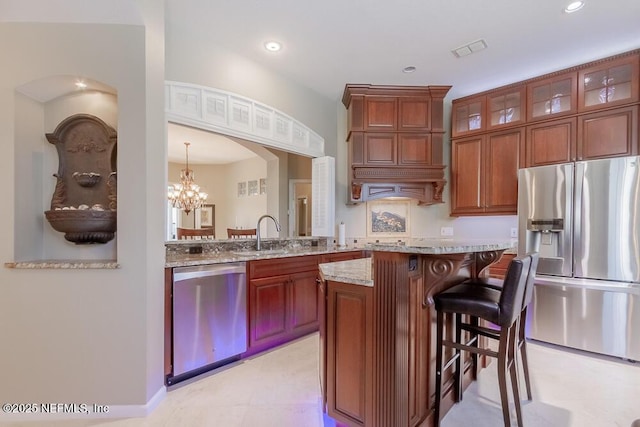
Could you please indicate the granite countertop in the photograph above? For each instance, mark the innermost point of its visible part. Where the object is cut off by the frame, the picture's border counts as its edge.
(219, 257)
(356, 271)
(443, 246)
(283, 248)
(359, 271)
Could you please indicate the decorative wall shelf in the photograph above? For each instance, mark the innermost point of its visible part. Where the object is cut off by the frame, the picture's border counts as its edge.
(235, 115)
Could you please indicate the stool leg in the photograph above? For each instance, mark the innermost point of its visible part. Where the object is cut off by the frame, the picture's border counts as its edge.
(439, 328)
(522, 343)
(474, 356)
(458, 356)
(514, 332)
(503, 350)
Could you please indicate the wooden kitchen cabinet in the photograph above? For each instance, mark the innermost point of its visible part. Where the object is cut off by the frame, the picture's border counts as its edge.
(551, 142)
(589, 111)
(268, 305)
(349, 363)
(506, 107)
(609, 83)
(468, 115)
(282, 299)
(322, 313)
(395, 136)
(610, 133)
(552, 97)
(484, 173)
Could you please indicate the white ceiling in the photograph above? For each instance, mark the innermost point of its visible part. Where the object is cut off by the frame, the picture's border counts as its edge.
(329, 43)
(205, 147)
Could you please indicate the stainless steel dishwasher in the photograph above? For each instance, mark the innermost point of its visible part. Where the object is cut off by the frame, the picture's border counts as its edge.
(209, 317)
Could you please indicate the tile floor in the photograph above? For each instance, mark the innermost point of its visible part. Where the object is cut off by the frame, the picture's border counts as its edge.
(280, 388)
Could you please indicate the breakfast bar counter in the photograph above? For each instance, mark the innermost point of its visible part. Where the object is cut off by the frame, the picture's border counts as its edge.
(378, 331)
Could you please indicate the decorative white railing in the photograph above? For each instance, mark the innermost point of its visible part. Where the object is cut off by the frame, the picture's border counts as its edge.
(235, 115)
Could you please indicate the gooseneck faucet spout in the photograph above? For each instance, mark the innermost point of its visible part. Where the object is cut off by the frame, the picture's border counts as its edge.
(258, 228)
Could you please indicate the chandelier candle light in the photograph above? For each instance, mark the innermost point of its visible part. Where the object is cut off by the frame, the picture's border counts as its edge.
(186, 195)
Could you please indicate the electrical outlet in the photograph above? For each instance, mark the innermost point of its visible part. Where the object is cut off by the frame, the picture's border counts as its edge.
(446, 231)
(514, 232)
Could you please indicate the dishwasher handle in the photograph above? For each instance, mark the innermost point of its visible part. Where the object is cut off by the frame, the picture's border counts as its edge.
(185, 273)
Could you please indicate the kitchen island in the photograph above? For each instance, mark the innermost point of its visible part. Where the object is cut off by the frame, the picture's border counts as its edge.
(378, 331)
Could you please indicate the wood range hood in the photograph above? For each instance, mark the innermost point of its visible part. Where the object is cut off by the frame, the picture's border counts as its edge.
(395, 135)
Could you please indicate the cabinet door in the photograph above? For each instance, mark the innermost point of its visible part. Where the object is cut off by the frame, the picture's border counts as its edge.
(503, 154)
(380, 149)
(551, 97)
(414, 149)
(506, 108)
(350, 353)
(551, 142)
(268, 317)
(380, 114)
(468, 116)
(466, 172)
(414, 114)
(304, 302)
(608, 134)
(609, 83)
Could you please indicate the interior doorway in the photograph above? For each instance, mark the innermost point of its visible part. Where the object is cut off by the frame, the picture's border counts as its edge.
(300, 202)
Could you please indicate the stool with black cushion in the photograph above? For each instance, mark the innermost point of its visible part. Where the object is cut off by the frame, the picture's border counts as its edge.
(521, 344)
(500, 307)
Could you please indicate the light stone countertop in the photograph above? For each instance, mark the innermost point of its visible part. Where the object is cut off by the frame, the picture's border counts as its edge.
(443, 246)
(359, 271)
(355, 271)
(63, 264)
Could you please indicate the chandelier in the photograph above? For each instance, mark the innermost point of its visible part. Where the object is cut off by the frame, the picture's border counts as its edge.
(186, 195)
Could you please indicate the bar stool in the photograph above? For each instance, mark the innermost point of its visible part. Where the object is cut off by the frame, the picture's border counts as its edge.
(500, 307)
(521, 345)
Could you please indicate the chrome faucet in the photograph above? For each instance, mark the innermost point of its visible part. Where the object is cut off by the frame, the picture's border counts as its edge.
(258, 229)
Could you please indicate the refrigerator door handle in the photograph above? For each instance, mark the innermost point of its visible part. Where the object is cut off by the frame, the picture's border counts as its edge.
(577, 213)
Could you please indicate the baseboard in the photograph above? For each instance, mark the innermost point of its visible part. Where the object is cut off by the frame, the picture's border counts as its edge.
(43, 412)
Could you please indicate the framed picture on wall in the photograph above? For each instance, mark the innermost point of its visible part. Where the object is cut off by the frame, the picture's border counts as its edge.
(253, 188)
(263, 185)
(388, 218)
(242, 189)
(207, 216)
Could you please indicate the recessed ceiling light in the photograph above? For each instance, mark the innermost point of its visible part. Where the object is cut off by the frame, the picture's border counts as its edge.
(272, 46)
(574, 6)
(409, 69)
(81, 85)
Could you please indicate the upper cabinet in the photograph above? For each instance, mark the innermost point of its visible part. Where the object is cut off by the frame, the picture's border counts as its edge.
(609, 83)
(395, 142)
(552, 96)
(468, 116)
(495, 110)
(590, 111)
(506, 107)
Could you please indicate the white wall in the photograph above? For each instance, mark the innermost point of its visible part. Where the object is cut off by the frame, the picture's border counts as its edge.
(86, 335)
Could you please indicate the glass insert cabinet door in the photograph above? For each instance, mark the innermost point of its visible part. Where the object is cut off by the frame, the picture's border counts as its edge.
(609, 84)
(552, 97)
(468, 117)
(506, 108)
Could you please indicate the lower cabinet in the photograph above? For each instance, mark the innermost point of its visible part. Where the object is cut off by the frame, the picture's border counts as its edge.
(349, 364)
(282, 307)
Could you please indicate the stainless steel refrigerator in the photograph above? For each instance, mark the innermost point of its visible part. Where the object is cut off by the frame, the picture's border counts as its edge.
(584, 219)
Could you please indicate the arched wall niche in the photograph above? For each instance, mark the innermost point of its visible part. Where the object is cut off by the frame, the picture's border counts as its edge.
(40, 105)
